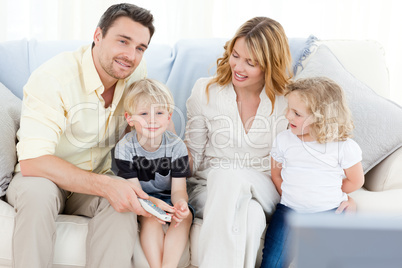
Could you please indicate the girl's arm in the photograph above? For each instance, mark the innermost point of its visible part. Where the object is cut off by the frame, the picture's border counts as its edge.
(354, 178)
(276, 169)
(180, 199)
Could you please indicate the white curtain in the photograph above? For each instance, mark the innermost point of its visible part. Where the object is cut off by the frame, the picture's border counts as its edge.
(378, 20)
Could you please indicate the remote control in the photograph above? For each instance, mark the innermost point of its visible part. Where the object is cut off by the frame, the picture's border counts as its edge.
(154, 210)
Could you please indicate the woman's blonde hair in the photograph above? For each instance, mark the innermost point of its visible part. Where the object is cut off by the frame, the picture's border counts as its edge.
(149, 91)
(326, 101)
(267, 45)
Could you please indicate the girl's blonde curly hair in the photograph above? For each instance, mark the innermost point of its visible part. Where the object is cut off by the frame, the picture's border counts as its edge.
(326, 101)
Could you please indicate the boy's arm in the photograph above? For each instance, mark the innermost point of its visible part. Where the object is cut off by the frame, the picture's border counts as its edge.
(276, 169)
(179, 190)
(180, 199)
(354, 178)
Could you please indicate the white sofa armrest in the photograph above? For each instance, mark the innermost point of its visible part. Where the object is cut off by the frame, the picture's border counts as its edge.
(382, 191)
(384, 203)
(387, 175)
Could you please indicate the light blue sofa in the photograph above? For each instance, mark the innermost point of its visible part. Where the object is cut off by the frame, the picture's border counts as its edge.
(178, 66)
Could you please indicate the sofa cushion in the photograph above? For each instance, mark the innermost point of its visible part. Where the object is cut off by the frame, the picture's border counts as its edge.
(378, 121)
(299, 56)
(353, 52)
(14, 70)
(10, 110)
(7, 214)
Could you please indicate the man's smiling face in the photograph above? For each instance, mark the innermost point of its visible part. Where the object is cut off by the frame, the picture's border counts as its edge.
(120, 51)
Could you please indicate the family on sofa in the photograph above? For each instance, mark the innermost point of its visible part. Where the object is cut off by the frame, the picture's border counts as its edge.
(73, 107)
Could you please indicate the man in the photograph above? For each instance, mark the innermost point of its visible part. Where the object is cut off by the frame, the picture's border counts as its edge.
(72, 117)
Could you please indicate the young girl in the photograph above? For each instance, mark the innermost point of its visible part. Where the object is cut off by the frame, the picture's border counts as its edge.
(314, 164)
(157, 161)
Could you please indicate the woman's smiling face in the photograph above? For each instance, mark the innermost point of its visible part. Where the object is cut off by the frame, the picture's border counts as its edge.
(246, 74)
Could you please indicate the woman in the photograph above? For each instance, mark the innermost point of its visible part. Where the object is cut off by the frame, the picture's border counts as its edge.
(233, 118)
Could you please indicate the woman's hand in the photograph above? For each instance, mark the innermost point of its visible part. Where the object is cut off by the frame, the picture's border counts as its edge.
(182, 211)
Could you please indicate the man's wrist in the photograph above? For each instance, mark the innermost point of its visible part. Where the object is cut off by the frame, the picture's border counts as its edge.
(101, 184)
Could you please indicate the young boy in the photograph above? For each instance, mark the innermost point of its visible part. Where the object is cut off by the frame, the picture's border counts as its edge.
(157, 161)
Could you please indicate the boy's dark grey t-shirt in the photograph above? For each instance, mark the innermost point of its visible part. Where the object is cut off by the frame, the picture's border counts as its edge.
(154, 170)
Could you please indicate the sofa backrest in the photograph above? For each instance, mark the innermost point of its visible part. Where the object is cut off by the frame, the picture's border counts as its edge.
(177, 66)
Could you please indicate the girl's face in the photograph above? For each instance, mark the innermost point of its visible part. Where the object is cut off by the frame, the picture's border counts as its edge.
(245, 74)
(299, 116)
(150, 120)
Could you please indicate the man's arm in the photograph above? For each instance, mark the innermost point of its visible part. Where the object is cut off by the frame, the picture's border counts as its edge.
(121, 194)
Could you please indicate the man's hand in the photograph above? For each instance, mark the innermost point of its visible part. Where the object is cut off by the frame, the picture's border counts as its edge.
(122, 196)
(162, 205)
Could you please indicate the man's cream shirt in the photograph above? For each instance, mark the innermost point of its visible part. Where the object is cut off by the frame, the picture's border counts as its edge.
(63, 113)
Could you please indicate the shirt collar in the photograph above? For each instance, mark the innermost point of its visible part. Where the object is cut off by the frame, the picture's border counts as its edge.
(91, 77)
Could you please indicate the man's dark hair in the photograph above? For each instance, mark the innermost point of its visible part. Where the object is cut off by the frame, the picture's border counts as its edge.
(136, 13)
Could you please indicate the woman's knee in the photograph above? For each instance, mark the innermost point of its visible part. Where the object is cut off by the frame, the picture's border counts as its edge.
(256, 217)
(221, 179)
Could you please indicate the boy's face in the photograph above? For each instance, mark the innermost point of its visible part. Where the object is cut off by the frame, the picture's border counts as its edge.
(150, 120)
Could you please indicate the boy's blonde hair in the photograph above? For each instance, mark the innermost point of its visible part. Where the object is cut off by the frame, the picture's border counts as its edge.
(149, 91)
(326, 101)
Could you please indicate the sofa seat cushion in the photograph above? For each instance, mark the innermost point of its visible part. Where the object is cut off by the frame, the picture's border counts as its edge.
(70, 247)
(70, 243)
(6, 226)
(378, 121)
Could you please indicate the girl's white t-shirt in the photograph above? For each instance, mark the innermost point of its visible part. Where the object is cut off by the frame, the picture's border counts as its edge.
(312, 173)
